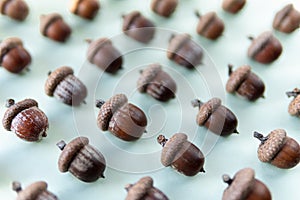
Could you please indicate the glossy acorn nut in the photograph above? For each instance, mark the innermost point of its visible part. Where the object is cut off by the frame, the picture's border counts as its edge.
(287, 19)
(184, 51)
(157, 83)
(124, 120)
(144, 190)
(244, 186)
(216, 117)
(54, 27)
(81, 159)
(265, 49)
(102, 53)
(181, 154)
(15, 9)
(164, 8)
(86, 9)
(210, 25)
(245, 83)
(13, 56)
(25, 119)
(278, 149)
(35, 191)
(233, 6)
(294, 106)
(138, 27)
(67, 88)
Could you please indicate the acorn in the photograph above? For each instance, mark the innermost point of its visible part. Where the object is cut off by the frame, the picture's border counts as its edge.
(164, 8)
(157, 83)
(53, 26)
(181, 154)
(124, 120)
(102, 53)
(216, 117)
(35, 191)
(138, 27)
(294, 106)
(86, 9)
(233, 6)
(278, 149)
(287, 19)
(81, 159)
(15, 9)
(266, 48)
(13, 56)
(184, 51)
(245, 83)
(144, 189)
(210, 25)
(25, 119)
(63, 85)
(244, 186)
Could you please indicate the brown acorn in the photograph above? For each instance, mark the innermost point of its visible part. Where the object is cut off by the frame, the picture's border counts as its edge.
(86, 9)
(64, 86)
(164, 8)
(181, 154)
(216, 117)
(278, 149)
(157, 83)
(102, 53)
(81, 159)
(144, 190)
(54, 27)
(124, 120)
(13, 56)
(266, 48)
(244, 186)
(184, 51)
(138, 27)
(233, 6)
(287, 19)
(210, 25)
(15, 9)
(245, 83)
(294, 106)
(26, 120)
(35, 191)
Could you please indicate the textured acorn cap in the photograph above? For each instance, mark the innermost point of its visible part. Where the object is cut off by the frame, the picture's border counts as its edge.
(128, 19)
(32, 191)
(274, 143)
(95, 46)
(237, 77)
(176, 42)
(147, 76)
(139, 189)
(294, 106)
(8, 44)
(258, 42)
(46, 20)
(242, 184)
(207, 109)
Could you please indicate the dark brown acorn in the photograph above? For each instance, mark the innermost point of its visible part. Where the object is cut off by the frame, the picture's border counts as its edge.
(54, 27)
(13, 56)
(266, 48)
(245, 83)
(102, 53)
(233, 6)
(164, 8)
(287, 19)
(181, 154)
(64, 86)
(86, 9)
(210, 25)
(15, 9)
(138, 27)
(26, 120)
(244, 186)
(216, 117)
(184, 51)
(144, 190)
(157, 83)
(294, 106)
(122, 119)
(278, 149)
(81, 159)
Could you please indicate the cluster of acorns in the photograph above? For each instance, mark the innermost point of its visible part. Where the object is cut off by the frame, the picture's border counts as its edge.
(127, 121)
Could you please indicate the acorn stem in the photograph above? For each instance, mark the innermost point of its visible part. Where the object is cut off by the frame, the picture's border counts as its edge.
(88, 40)
(128, 186)
(227, 179)
(9, 103)
(260, 137)
(230, 67)
(250, 37)
(236, 131)
(99, 103)
(102, 176)
(49, 73)
(202, 170)
(162, 140)
(197, 103)
(172, 36)
(16, 186)
(198, 14)
(293, 93)
(61, 145)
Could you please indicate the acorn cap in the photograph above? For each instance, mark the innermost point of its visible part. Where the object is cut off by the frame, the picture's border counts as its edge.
(241, 186)
(207, 109)
(139, 189)
(46, 20)
(32, 191)
(294, 106)
(237, 77)
(129, 18)
(108, 108)
(55, 78)
(95, 46)
(176, 42)
(274, 143)
(8, 44)
(258, 42)
(15, 109)
(70, 151)
(147, 76)
(74, 5)
(206, 20)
